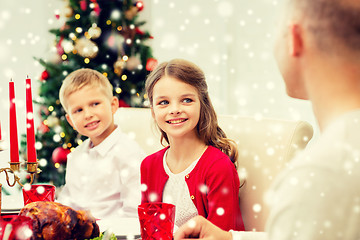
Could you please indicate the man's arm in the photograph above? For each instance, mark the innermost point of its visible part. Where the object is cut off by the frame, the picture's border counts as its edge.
(199, 227)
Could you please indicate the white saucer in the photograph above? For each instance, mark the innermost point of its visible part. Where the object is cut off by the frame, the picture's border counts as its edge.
(121, 227)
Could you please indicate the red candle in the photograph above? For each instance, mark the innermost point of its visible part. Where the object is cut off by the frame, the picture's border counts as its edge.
(30, 131)
(14, 146)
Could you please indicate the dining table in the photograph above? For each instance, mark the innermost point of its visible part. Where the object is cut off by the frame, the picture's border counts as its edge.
(123, 228)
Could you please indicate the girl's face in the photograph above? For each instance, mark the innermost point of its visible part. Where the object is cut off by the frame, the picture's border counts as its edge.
(176, 107)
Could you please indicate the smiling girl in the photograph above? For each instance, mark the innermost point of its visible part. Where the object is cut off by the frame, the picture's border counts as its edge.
(196, 171)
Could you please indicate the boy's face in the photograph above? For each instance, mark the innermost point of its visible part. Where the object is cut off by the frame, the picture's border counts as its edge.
(90, 112)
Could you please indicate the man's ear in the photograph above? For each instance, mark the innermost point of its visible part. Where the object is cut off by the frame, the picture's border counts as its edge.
(114, 104)
(69, 120)
(296, 40)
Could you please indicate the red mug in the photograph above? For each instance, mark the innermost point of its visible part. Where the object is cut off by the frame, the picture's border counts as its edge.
(156, 221)
(41, 192)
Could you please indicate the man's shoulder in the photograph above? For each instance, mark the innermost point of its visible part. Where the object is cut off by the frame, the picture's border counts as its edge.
(321, 176)
(327, 162)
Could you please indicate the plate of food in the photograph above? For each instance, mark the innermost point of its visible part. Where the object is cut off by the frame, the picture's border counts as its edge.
(111, 236)
(53, 219)
(104, 236)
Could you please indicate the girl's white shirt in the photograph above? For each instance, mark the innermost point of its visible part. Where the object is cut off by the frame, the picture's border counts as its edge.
(176, 192)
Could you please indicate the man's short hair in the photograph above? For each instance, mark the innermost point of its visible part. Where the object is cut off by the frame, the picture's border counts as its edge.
(332, 21)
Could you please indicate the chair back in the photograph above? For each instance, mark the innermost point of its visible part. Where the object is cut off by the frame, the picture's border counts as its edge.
(265, 146)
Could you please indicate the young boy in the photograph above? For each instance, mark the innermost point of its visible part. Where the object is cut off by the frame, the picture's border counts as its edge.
(103, 173)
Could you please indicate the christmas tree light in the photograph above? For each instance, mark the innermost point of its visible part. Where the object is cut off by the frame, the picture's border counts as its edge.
(98, 34)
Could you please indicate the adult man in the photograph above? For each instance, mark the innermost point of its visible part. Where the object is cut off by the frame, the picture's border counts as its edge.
(318, 54)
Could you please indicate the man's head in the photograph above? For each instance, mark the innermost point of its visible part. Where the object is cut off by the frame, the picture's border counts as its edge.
(81, 78)
(329, 29)
(334, 24)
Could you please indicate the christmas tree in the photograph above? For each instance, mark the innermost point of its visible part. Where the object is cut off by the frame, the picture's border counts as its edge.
(103, 35)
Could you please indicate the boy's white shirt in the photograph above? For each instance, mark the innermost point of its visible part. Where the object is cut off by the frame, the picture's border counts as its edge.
(104, 179)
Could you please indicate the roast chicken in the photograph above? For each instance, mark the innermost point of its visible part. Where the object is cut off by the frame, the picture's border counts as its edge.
(55, 221)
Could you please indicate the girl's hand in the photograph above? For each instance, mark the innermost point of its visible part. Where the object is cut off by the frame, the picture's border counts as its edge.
(200, 228)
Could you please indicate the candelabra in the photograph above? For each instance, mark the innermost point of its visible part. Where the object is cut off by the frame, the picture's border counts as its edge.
(14, 169)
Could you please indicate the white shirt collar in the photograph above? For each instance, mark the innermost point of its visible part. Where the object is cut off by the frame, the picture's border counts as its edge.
(106, 144)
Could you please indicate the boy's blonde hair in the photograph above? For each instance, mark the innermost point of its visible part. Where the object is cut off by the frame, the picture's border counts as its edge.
(81, 78)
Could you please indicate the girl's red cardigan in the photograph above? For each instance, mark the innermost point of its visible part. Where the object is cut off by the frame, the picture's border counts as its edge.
(213, 185)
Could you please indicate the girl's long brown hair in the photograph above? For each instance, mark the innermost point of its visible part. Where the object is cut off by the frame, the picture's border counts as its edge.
(207, 128)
